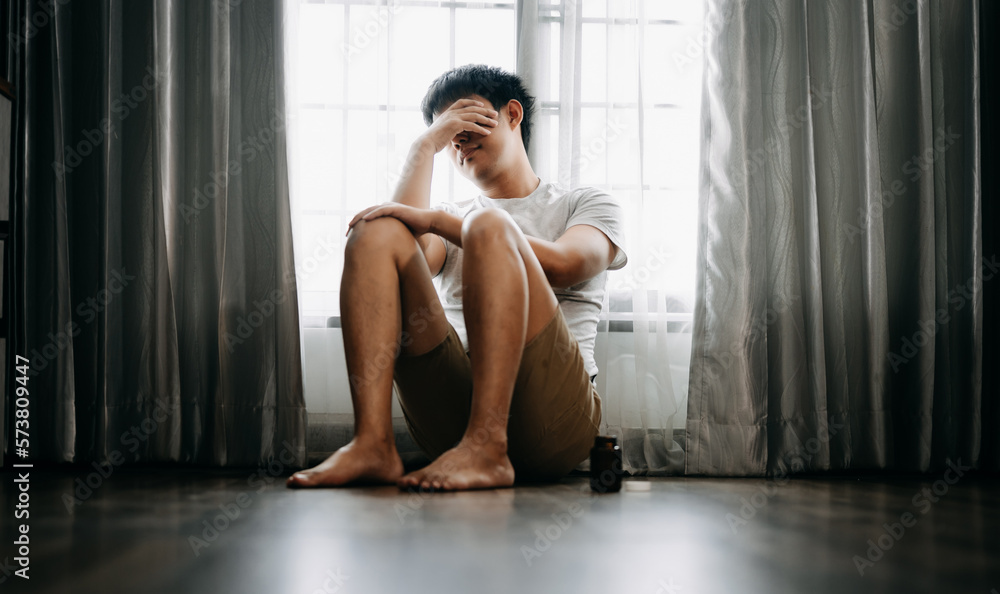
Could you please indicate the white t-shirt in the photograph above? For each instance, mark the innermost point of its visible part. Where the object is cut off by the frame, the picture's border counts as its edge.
(546, 213)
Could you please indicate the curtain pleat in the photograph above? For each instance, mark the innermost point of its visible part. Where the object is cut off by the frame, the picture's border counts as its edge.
(159, 306)
(840, 267)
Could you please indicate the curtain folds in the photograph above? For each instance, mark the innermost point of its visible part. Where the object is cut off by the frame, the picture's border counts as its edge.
(159, 306)
(840, 266)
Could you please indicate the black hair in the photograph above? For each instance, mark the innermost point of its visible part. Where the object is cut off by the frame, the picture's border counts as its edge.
(493, 83)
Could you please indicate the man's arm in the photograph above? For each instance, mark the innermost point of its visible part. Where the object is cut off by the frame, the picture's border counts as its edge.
(414, 187)
(582, 252)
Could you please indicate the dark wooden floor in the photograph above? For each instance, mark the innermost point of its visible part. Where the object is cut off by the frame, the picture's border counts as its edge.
(137, 532)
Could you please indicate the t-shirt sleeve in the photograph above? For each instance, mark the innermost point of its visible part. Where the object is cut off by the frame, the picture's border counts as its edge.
(598, 209)
(449, 247)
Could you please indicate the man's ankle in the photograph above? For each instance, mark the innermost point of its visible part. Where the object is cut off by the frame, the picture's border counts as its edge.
(495, 441)
(375, 439)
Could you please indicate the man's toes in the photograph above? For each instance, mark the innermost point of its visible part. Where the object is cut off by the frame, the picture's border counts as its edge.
(409, 480)
(299, 479)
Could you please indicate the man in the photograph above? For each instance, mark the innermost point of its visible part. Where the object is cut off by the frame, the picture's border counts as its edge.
(497, 380)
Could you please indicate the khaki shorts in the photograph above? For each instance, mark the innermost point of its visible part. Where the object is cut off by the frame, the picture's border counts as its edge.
(555, 411)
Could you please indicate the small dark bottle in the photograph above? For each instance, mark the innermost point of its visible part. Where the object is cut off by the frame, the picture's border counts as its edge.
(606, 465)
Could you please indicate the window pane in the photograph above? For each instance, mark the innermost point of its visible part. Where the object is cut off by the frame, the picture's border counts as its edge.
(593, 147)
(321, 53)
(362, 170)
(551, 66)
(319, 303)
(420, 51)
(595, 8)
(624, 83)
(321, 159)
(368, 40)
(545, 138)
(678, 10)
(554, 173)
(594, 73)
(404, 126)
(484, 36)
(441, 180)
(671, 148)
(625, 9)
(673, 64)
(669, 224)
(623, 146)
(319, 254)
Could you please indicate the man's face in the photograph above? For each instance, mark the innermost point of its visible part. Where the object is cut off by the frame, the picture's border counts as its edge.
(479, 157)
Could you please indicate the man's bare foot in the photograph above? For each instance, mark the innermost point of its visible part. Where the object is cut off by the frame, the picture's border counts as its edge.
(357, 462)
(465, 466)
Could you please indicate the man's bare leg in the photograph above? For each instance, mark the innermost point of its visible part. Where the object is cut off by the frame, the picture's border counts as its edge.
(507, 301)
(386, 287)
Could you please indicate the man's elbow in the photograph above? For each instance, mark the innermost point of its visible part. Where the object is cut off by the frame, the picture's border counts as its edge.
(568, 272)
(557, 281)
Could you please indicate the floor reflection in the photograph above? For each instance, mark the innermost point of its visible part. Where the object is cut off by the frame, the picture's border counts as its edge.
(205, 531)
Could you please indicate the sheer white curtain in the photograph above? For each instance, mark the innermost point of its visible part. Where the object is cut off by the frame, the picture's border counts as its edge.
(620, 83)
(618, 88)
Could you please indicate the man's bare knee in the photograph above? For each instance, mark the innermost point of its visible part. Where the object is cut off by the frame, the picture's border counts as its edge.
(384, 233)
(488, 224)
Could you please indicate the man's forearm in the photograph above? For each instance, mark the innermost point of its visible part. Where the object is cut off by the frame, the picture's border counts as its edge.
(550, 255)
(448, 226)
(553, 260)
(414, 187)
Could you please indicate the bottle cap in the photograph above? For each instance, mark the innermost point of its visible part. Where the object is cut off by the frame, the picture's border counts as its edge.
(603, 440)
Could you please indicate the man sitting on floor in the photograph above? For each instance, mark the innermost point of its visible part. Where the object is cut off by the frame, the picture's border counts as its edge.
(499, 378)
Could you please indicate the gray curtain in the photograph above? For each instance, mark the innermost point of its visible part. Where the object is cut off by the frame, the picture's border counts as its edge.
(159, 306)
(840, 267)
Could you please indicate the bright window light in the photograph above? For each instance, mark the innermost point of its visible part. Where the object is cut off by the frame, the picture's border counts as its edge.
(361, 67)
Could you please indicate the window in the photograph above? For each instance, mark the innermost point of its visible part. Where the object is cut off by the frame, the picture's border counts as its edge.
(358, 70)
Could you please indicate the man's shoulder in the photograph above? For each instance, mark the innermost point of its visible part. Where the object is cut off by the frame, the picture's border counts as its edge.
(586, 198)
(591, 192)
(579, 193)
(456, 207)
